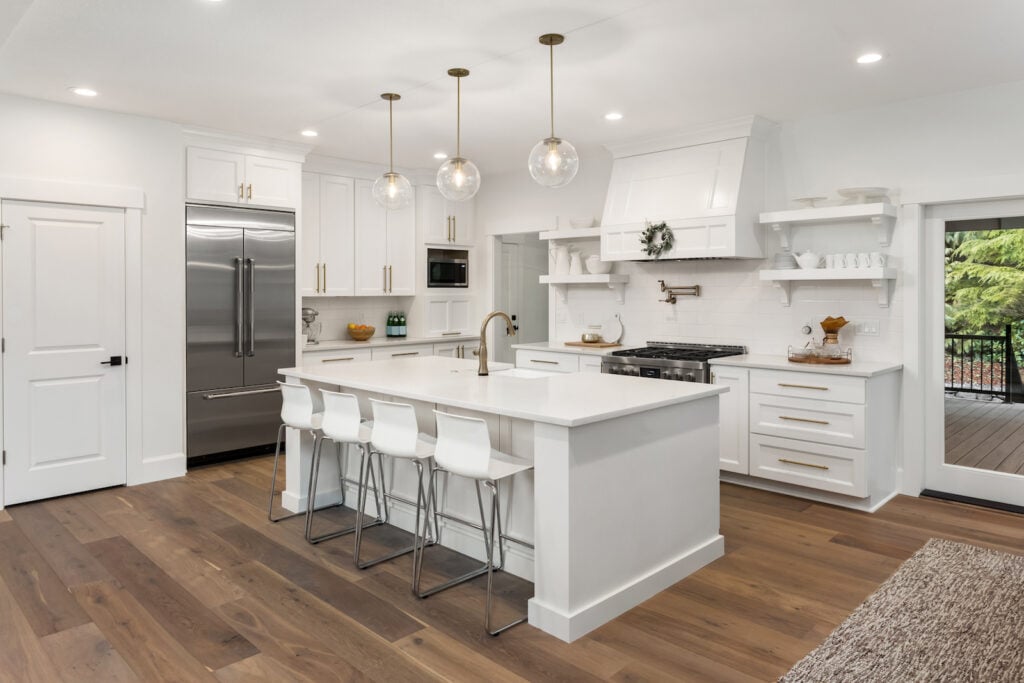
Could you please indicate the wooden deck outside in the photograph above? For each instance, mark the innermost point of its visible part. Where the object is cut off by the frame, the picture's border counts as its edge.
(987, 435)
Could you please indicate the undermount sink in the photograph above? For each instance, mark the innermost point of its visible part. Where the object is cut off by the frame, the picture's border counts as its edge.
(521, 373)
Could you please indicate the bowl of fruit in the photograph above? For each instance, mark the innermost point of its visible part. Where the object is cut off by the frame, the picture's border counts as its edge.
(360, 332)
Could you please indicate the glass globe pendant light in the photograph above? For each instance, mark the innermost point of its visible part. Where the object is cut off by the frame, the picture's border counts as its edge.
(553, 161)
(392, 190)
(458, 179)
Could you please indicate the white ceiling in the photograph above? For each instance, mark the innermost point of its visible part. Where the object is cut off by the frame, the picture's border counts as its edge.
(272, 67)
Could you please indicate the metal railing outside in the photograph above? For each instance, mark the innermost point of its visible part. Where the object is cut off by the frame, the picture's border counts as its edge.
(980, 364)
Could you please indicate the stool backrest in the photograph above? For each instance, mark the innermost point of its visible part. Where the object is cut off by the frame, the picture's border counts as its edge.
(341, 416)
(463, 445)
(395, 430)
(297, 406)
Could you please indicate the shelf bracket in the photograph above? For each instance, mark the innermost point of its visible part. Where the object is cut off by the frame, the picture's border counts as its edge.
(785, 288)
(884, 225)
(784, 230)
(884, 291)
(619, 288)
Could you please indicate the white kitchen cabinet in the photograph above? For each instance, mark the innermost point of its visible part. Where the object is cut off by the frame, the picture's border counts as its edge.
(548, 361)
(590, 363)
(226, 177)
(447, 315)
(441, 220)
(733, 430)
(460, 349)
(310, 357)
(403, 351)
(328, 262)
(385, 246)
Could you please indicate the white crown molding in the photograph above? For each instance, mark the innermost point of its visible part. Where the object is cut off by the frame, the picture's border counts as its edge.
(741, 127)
(230, 142)
(71, 192)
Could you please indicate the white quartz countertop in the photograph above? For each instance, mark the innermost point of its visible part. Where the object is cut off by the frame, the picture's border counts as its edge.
(335, 344)
(769, 362)
(565, 399)
(560, 347)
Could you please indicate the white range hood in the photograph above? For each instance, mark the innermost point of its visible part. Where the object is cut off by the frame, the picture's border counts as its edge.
(708, 185)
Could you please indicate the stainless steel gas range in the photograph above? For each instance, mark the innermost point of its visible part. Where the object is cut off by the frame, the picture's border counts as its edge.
(668, 360)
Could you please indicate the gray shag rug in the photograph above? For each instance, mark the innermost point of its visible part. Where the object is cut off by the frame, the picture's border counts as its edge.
(952, 612)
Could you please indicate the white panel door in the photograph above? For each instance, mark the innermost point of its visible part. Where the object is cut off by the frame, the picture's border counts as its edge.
(402, 252)
(215, 176)
(309, 267)
(64, 318)
(272, 182)
(371, 243)
(337, 216)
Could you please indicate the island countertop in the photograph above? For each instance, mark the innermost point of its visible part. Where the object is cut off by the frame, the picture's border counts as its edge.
(568, 400)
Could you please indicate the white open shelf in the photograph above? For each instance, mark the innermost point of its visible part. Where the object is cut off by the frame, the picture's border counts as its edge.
(879, 277)
(571, 234)
(881, 214)
(614, 281)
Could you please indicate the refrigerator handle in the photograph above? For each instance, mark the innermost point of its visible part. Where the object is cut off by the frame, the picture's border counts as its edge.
(239, 316)
(252, 306)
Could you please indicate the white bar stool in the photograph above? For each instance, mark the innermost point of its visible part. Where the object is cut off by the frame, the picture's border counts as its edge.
(464, 449)
(300, 410)
(343, 425)
(395, 433)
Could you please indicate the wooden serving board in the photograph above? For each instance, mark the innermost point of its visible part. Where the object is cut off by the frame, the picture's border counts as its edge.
(819, 360)
(593, 345)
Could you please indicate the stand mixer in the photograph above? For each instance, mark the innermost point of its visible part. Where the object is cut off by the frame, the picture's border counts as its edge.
(310, 327)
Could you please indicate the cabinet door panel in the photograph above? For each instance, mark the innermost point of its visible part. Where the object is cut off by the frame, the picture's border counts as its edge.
(309, 267)
(463, 214)
(371, 242)
(458, 315)
(215, 176)
(432, 215)
(402, 251)
(272, 182)
(733, 435)
(337, 235)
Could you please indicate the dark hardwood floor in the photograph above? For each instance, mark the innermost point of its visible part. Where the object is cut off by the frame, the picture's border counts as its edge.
(185, 580)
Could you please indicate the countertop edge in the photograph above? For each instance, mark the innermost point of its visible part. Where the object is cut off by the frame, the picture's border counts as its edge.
(560, 347)
(855, 369)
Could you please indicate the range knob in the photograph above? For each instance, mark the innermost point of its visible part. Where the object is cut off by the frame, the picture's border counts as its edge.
(689, 377)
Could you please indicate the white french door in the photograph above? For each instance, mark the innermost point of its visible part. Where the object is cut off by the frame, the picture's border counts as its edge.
(941, 476)
(64, 330)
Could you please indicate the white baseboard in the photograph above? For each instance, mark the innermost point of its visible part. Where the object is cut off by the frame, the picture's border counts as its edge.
(157, 468)
(569, 627)
(869, 504)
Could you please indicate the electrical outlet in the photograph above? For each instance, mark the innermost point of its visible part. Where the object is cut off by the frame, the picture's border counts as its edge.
(867, 328)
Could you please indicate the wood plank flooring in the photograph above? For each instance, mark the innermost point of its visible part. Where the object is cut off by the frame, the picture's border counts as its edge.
(186, 580)
(985, 435)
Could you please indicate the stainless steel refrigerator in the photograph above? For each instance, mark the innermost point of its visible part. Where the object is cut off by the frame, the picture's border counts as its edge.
(240, 326)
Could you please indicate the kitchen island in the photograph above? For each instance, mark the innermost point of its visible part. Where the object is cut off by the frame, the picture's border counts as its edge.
(623, 500)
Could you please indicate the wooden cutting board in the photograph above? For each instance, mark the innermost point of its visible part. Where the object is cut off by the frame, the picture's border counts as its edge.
(593, 345)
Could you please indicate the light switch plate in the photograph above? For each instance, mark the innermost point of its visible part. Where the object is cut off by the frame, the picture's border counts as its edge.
(867, 328)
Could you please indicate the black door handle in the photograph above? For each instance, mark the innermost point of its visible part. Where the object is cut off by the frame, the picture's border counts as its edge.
(114, 360)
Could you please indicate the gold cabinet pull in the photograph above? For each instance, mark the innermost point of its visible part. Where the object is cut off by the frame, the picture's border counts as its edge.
(335, 360)
(391, 280)
(385, 287)
(449, 228)
(407, 353)
(325, 278)
(241, 190)
(803, 464)
(250, 191)
(544, 362)
(803, 419)
(318, 278)
(455, 228)
(450, 334)
(802, 386)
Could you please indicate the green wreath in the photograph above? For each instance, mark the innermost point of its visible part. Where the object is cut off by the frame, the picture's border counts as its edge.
(657, 239)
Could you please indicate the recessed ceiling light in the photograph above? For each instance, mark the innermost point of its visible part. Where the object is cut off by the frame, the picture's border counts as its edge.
(440, 155)
(869, 58)
(84, 92)
(613, 116)
(309, 132)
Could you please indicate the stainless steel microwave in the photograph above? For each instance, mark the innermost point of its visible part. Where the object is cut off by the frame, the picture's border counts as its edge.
(447, 268)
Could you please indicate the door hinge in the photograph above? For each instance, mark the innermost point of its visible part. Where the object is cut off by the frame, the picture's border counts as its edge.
(4, 459)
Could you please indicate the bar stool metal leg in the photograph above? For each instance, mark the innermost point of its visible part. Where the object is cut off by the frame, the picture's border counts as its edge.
(421, 498)
(273, 481)
(311, 497)
(496, 533)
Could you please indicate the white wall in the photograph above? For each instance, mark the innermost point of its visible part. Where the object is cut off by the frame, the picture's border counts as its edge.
(49, 141)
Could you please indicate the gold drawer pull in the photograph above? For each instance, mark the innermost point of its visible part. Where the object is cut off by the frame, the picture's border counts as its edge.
(335, 360)
(802, 386)
(450, 334)
(803, 419)
(544, 362)
(407, 353)
(803, 464)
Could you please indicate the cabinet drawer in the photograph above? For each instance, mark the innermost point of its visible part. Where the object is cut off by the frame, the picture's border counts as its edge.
(829, 468)
(547, 361)
(808, 385)
(830, 422)
(410, 351)
(590, 363)
(336, 356)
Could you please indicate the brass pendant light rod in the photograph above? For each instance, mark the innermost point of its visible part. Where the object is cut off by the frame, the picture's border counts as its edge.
(458, 74)
(552, 39)
(391, 97)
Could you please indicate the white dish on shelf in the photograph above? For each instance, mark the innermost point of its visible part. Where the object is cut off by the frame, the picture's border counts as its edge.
(808, 202)
(863, 195)
(596, 266)
(611, 331)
